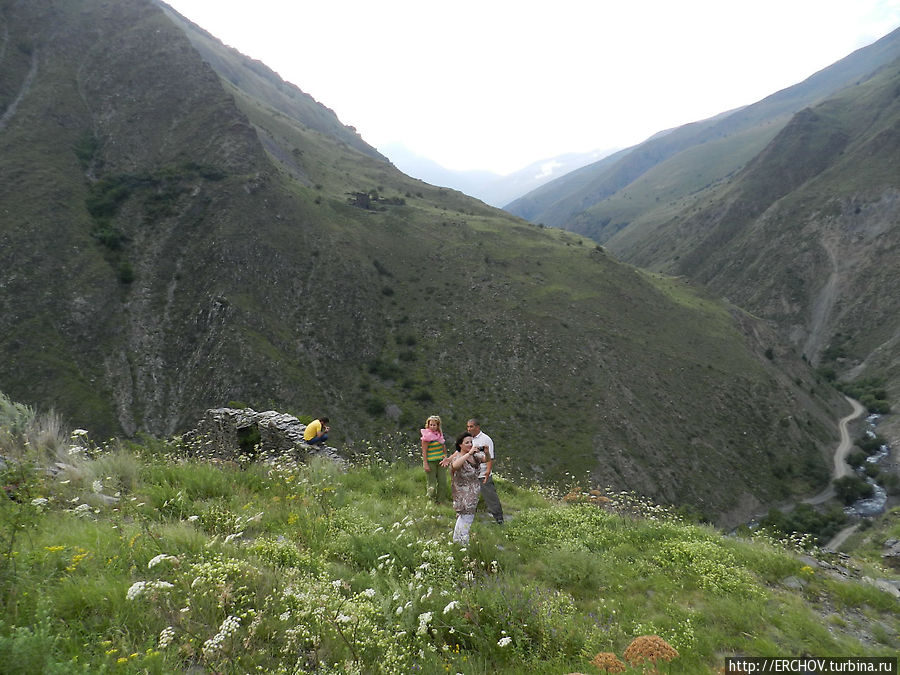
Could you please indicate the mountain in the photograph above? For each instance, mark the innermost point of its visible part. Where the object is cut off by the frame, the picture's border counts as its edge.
(785, 207)
(603, 198)
(807, 234)
(491, 188)
(182, 229)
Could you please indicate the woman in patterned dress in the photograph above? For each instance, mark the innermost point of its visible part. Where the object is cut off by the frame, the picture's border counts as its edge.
(465, 486)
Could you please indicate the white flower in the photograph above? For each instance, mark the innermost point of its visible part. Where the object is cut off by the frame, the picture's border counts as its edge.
(79, 432)
(424, 620)
(82, 510)
(39, 501)
(162, 557)
(97, 486)
(136, 590)
(451, 606)
(165, 637)
(502, 642)
(369, 592)
(343, 618)
(191, 519)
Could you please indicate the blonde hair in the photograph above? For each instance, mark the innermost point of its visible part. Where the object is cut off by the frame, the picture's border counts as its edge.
(436, 418)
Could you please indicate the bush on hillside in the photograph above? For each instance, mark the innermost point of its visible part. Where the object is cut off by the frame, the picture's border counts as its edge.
(804, 519)
(852, 488)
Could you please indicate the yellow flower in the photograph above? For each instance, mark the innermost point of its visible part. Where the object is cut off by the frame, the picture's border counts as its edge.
(55, 549)
(121, 659)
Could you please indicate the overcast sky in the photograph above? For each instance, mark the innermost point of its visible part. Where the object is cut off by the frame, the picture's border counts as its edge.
(499, 84)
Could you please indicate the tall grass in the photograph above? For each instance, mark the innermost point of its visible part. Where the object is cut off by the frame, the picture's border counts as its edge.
(140, 559)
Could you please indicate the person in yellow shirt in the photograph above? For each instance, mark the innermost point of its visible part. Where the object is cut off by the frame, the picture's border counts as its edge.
(316, 431)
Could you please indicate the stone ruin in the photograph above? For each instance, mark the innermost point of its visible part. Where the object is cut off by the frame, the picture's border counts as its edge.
(232, 433)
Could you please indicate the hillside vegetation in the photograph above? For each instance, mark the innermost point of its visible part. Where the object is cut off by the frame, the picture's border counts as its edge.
(182, 229)
(148, 557)
(787, 208)
(806, 235)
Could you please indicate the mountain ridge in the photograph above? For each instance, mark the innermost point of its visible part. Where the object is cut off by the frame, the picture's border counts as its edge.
(758, 122)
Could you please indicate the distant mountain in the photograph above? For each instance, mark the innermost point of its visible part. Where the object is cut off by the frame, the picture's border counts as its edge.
(491, 188)
(787, 207)
(603, 198)
(807, 234)
(181, 229)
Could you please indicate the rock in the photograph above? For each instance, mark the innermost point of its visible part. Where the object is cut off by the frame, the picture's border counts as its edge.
(794, 583)
(891, 552)
(885, 585)
(230, 434)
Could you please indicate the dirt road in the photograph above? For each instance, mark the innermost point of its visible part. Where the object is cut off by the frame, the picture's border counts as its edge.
(841, 468)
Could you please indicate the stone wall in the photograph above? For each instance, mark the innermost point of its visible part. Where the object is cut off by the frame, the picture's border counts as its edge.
(229, 433)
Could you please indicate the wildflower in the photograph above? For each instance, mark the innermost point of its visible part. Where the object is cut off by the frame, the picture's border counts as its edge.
(424, 620)
(138, 588)
(82, 510)
(343, 618)
(39, 501)
(502, 642)
(650, 648)
(97, 486)
(369, 592)
(608, 663)
(451, 606)
(165, 637)
(79, 432)
(162, 557)
(214, 644)
(191, 519)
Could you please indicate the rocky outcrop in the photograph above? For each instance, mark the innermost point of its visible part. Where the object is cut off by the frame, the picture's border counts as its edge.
(242, 433)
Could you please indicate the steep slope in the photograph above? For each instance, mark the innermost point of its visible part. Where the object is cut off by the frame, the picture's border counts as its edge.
(606, 198)
(174, 239)
(807, 234)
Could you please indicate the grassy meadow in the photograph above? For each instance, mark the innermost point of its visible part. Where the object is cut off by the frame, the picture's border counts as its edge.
(152, 557)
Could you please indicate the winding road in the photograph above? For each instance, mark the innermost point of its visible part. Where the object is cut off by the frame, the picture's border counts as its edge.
(841, 469)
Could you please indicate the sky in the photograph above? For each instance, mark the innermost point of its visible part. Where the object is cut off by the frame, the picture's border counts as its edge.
(499, 84)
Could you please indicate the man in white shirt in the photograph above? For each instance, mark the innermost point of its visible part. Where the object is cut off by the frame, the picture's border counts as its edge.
(488, 491)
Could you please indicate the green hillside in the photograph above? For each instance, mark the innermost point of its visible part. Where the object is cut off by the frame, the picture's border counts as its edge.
(806, 235)
(147, 558)
(177, 238)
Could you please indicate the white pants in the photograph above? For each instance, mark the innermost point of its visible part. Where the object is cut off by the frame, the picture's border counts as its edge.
(461, 531)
